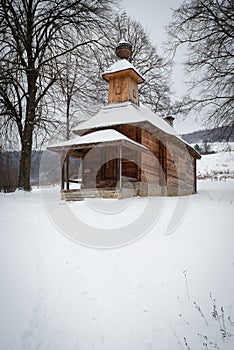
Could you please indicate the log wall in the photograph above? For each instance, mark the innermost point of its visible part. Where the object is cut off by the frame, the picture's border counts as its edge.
(130, 168)
(100, 166)
(181, 170)
(170, 164)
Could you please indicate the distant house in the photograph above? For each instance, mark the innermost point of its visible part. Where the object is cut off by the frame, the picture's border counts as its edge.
(125, 149)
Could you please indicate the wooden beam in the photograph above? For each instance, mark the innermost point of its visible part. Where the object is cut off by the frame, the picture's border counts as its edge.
(62, 171)
(195, 175)
(67, 172)
(120, 165)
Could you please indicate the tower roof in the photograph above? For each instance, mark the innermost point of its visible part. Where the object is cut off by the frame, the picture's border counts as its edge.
(120, 66)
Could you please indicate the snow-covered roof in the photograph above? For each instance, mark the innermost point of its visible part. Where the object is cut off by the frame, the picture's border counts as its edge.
(127, 113)
(124, 113)
(121, 65)
(96, 137)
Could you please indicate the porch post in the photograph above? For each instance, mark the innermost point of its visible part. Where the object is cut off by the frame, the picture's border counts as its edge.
(67, 172)
(120, 166)
(195, 175)
(62, 171)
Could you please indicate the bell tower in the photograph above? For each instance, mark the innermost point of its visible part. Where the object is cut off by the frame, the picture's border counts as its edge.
(122, 76)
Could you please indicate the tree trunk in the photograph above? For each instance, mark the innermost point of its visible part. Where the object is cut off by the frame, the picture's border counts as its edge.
(27, 137)
(68, 138)
(25, 160)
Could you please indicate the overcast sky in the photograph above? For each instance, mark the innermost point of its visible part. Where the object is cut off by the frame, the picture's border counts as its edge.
(154, 15)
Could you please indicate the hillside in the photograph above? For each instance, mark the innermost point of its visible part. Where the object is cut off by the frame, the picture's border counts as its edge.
(222, 134)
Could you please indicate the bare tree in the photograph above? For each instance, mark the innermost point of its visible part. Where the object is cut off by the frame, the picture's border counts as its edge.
(34, 35)
(155, 92)
(206, 28)
(75, 93)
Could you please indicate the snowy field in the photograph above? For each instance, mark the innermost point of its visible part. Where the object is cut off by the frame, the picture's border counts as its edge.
(164, 291)
(218, 166)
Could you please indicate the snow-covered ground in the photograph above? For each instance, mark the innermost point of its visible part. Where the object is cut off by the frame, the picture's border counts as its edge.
(156, 293)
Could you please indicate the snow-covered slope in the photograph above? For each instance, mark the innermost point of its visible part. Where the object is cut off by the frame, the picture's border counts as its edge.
(217, 166)
(157, 293)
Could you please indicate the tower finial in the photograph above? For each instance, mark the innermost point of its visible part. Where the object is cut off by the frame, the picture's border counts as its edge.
(123, 27)
(124, 48)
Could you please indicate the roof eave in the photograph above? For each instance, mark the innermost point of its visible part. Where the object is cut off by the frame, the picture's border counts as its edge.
(66, 148)
(107, 74)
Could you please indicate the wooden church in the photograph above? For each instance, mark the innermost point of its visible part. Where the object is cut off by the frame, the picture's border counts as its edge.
(126, 150)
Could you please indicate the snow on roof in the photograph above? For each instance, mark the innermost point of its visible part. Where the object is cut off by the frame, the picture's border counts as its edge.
(121, 65)
(124, 113)
(108, 135)
(127, 113)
